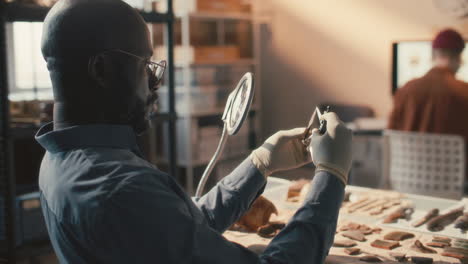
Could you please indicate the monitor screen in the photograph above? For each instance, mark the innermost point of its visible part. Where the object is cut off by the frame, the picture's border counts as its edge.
(412, 59)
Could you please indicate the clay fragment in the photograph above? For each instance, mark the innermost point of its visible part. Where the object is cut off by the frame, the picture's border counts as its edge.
(438, 223)
(362, 202)
(398, 236)
(377, 230)
(403, 212)
(343, 228)
(441, 239)
(369, 258)
(453, 255)
(437, 244)
(258, 215)
(353, 226)
(458, 253)
(380, 209)
(375, 204)
(419, 247)
(296, 187)
(271, 229)
(462, 222)
(398, 256)
(352, 251)
(421, 260)
(363, 205)
(344, 243)
(385, 244)
(431, 214)
(365, 229)
(354, 235)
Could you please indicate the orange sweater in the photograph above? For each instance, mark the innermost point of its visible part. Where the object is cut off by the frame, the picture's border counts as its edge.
(434, 103)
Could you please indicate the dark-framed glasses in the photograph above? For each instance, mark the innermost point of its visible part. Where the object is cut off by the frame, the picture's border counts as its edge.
(154, 69)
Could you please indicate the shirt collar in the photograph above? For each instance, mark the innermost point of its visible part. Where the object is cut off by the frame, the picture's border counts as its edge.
(84, 136)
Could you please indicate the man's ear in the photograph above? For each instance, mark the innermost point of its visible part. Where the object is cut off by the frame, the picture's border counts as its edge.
(96, 69)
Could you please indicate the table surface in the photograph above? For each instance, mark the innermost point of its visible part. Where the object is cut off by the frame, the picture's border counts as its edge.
(277, 193)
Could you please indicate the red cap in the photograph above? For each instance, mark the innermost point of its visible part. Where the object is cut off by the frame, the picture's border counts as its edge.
(449, 39)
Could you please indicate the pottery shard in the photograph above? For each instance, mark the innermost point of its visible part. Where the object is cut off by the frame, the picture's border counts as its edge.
(370, 258)
(458, 253)
(419, 247)
(352, 251)
(398, 256)
(296, 187)
(354, 235)
(438, 223)
(344, 243)
(377, 230)
(421, 260)
(431, 214)
(441, 239)
(400, 213)
(365, 229)
(350, 226)
(385, 244)
(437, 244)
(258, 215)
(398, 236)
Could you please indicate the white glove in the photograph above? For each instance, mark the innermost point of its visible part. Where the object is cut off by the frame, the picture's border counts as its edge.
(331, 151)
(282, 151)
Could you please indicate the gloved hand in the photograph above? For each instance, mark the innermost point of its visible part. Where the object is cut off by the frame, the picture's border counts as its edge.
(331, 151)
(282, 151)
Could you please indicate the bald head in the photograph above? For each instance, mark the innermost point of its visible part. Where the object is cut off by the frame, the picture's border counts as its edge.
(78, 29)
(91, 84)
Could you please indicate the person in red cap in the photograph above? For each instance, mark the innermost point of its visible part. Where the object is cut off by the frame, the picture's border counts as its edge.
(435, 102)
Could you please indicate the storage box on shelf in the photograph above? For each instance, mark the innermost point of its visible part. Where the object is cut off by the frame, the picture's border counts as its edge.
(216, 54)
(213, 6)
(203, 54)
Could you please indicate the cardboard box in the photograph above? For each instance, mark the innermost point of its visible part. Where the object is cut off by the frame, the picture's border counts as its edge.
(201, 54)
(220, 6)
(216, 54)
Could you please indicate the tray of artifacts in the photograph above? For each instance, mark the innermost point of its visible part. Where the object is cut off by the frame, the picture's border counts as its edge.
(360, 236)
(436, 216)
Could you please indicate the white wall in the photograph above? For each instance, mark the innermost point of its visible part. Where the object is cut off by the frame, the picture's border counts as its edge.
(336, 50)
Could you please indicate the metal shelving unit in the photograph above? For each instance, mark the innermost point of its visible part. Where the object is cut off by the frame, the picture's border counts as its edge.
(193, 21)
(16, 12)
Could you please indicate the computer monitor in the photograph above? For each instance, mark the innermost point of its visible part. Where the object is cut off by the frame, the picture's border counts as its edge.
(412, 59)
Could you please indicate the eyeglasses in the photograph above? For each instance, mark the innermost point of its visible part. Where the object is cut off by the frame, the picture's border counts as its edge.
(155, 70)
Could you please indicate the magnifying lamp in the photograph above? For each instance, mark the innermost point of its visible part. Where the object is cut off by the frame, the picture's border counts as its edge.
(236, 111)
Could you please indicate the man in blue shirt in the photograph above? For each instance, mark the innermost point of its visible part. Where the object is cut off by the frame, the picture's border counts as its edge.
(104, 203)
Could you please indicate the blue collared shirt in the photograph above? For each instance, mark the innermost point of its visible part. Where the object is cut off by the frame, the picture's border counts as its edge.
(104, 203)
